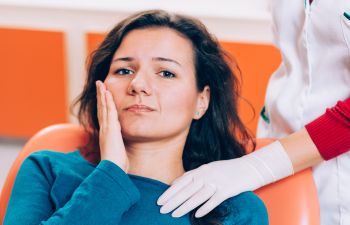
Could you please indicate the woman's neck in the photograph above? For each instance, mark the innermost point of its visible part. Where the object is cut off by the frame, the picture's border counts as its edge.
(161, 160)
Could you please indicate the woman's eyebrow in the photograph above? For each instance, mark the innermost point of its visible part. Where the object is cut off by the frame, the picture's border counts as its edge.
(126, 59)
(166, 60)
(162, 59)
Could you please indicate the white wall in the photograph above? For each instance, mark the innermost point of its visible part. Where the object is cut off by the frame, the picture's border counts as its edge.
(8, 153)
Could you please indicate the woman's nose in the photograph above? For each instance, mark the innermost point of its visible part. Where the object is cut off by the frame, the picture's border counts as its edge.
(139, 85)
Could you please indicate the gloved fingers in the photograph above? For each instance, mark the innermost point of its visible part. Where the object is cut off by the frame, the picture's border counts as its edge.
(177, 185)
(181, 196)
(213, 202)
(196, 200)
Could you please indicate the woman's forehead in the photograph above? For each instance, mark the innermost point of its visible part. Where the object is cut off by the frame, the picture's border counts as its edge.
(157, 42)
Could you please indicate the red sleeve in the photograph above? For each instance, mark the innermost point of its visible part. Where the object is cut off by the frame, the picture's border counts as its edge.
(331, 131)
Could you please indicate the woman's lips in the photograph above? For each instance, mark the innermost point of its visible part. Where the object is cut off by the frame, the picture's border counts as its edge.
(139, 108)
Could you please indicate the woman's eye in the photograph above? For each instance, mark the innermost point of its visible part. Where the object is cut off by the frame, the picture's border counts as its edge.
(167, 74)
(124, 72)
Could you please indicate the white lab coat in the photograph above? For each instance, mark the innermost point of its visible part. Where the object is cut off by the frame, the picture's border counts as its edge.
(315, 73)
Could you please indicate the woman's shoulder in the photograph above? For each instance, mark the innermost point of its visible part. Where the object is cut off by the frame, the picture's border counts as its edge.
(74, 154)
(246, 209)
(56, 157)
(57, 162)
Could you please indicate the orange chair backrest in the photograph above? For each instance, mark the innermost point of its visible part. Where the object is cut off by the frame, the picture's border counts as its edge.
(60, 137)
(292, 201)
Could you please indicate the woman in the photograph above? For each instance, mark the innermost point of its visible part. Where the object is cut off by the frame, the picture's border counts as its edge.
(167, 104)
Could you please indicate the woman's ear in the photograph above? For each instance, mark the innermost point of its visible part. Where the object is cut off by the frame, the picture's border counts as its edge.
(202, 103)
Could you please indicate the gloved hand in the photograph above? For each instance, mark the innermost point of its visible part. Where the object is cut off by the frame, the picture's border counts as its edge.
(215, 182)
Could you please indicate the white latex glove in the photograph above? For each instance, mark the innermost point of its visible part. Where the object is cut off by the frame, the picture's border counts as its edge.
(215, 182)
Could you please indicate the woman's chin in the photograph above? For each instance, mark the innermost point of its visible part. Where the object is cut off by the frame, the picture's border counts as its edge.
(137, 136)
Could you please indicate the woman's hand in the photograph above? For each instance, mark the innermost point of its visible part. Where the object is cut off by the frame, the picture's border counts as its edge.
(111, 141)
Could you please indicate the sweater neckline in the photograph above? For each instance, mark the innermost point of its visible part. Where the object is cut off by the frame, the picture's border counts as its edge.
(132, 176)
(149, 180)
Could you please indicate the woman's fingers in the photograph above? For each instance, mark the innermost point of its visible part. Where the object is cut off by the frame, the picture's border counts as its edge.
(177, 185)
(98, 96)
(180, 197)
(112, 147)
(196, 200)
(107, 112)
(112, 114)
(101, 103)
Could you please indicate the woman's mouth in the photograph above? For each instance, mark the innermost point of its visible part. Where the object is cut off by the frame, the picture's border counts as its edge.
(139, 108)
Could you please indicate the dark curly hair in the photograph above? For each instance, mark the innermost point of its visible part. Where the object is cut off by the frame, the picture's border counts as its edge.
(219, 134)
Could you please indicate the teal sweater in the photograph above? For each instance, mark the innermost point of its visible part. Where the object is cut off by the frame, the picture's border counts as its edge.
(57, 188)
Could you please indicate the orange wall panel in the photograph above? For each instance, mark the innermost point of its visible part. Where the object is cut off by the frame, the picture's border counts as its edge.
(256, 62)
(93, 40)
(33, 92)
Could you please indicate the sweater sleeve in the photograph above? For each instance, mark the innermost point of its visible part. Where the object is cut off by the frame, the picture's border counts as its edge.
(331, 131)
(103, 196)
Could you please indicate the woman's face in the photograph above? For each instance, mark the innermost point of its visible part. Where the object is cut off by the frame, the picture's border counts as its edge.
(152, 80)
